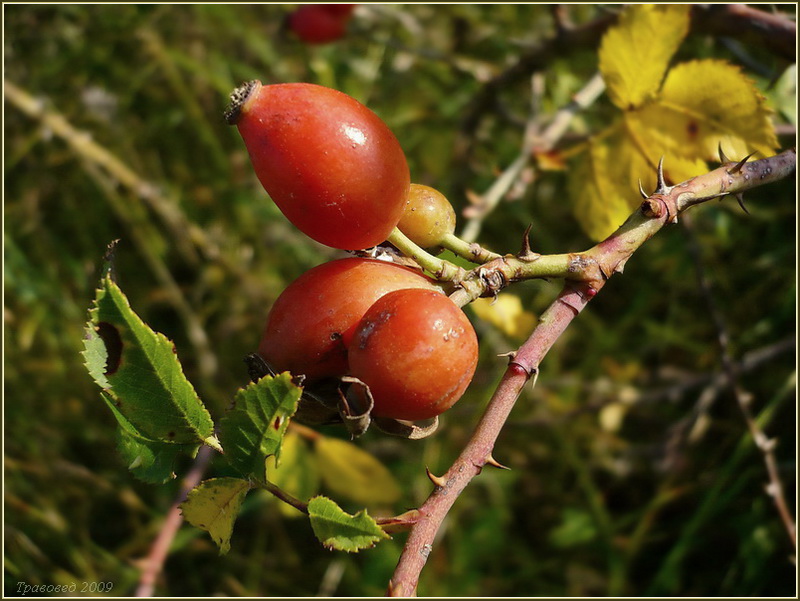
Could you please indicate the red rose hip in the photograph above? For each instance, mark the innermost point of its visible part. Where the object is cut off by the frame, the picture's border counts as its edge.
(417, 352)
(331, 165)
(313, 320)
(315, 24)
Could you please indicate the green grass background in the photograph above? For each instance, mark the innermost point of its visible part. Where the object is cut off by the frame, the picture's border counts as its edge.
(587, 509)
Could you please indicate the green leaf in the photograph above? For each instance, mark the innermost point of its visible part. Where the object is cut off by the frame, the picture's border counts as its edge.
(254, 428)
(635, 53)
(297, 472)
(149, 460)
(214, 506)
(341, 531)
(352, 473)
(139, 370)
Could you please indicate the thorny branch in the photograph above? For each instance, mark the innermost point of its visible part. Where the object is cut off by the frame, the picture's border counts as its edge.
(585, 275)
(775, 32)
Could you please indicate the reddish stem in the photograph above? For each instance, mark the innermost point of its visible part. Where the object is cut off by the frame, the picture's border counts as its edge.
(478, 451)
(154, 562)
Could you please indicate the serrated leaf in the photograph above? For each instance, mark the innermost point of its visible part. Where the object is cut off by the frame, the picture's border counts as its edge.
(506, 313)
(254, 428)
(353, 473)
(604, 185)
(297, 472)
(139, 370)
(635, 53)
(214, 505)
(149, 460)
(337, 529)
(703, 104)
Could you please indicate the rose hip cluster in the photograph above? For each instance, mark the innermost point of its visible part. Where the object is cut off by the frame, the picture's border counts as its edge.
(338, 174)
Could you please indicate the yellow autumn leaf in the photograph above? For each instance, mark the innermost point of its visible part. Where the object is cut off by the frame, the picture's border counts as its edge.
(703, 104)
(652, 141)
(214, 505)
(506, 314)
(635, 53)
(603, 186)
(350, 472)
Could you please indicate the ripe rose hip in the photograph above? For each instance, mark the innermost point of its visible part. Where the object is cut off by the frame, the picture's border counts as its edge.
(330, 164)
(313, 320)
(320, 23)
(417, 352)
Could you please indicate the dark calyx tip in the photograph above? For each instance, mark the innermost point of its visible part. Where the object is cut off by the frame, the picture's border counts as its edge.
(238, 97)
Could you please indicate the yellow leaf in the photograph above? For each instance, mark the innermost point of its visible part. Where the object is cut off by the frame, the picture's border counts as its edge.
(214, 505)
(505, 313)
(603, 186)
(350, 472)
(652, 140)
(706, 103)
(297, 472)
(635, 53)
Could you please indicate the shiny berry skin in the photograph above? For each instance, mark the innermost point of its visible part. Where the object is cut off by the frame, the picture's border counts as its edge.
(428, 216)
(313, 320)
(331, 165)
(417, 352)
(318, 24)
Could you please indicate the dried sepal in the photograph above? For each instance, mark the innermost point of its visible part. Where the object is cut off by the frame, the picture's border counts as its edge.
(355, 406)
(257, 367)
(406, 429)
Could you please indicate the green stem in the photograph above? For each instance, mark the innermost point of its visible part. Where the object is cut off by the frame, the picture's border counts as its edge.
(470, 251)
(284, 496)
(442, 270)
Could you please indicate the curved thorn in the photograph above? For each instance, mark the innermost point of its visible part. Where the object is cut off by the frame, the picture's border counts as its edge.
(740, 200)
(738, 166)
(641, 189)
(495, 463)
(437, 480)
(722, 158)
(526, 242)
(662, 185)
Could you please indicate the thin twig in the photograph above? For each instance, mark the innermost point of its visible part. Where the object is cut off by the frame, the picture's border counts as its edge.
(154, 562)
(85, 147)
(534, 140)
(777, 33)
(744, 399)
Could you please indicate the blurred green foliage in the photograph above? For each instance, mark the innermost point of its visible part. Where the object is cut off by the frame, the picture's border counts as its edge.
(632, 471)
